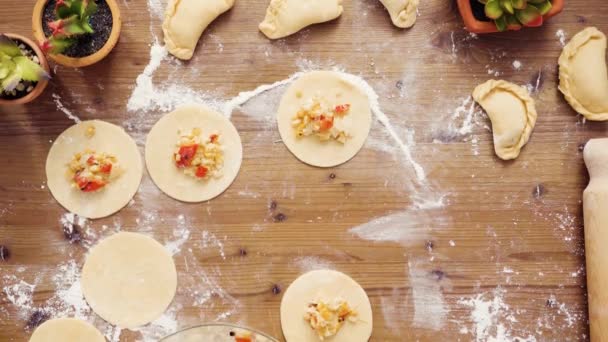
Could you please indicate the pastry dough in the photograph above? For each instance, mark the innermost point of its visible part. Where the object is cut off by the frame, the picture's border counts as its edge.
(129, 279)
(185, 21)
(583, 77)
(403, 12)
(68, 330)
(160, 146)
(512, 112)
(108, 138)
(286, 17)
(335, 89)
(325, 285)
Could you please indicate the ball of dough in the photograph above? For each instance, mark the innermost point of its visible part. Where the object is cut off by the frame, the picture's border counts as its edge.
(336, 90)
(68, 330)
(129, 279)
(102, 137)
(161, 144)
(325, 285)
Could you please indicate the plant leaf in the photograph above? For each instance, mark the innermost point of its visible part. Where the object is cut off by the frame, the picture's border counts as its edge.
(30, 71)
(9, 47)
(544, 7)
(528, 15)
(501, 23)
(493, 9)
(11, 81)
(89, 10)
(519, 4)
(507, 6)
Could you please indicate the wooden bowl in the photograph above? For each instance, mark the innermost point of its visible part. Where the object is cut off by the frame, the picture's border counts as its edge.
(41, 85)
(476, 26)
(81, 61)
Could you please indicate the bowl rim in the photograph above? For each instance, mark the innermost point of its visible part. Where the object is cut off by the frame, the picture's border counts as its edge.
(219, 324)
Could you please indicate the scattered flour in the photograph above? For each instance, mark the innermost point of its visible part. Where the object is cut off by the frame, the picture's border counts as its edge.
(517, 65)
(430, 308)
(61, 107)
(561, 35)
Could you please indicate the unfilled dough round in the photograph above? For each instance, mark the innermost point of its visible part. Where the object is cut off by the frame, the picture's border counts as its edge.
(323, 284)
(336, 90)
(160, 146)
(68, 330)
(107, 138)
(129, 279)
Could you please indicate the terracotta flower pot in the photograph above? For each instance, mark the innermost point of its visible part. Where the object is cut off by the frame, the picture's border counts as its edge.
(79, 62)
(473, 25)
(41, 85)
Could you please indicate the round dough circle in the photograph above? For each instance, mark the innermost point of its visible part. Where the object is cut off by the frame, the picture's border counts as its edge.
(129, 279)
(66, 329)
(324, 284)
(108, 138)
(160, 146)
(335, 89)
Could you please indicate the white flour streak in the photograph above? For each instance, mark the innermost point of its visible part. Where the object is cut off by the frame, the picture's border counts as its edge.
(20, 294)
(561, 36)
(210, 240)
(310, 263)
(181, 233)
(489, 318)
(407, 227)
(245, 96)
(429, 306)
(61, 107)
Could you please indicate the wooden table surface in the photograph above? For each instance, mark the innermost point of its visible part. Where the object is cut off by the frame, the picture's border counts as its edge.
(507, 232)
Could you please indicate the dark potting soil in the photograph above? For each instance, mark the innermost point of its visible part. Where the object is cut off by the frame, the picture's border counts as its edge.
(30, 53)
(478, 10)
(86, 44)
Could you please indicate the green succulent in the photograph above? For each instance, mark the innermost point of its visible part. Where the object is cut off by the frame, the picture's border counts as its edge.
(506, 13)
(15, 66)
(73, 19)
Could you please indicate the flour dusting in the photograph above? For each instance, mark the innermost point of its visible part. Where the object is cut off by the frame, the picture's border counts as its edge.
(62, 107)
(430, 309)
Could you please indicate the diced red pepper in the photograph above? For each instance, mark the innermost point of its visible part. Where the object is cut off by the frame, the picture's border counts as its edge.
(342, 109)
(88, 185)
(201, 171)
(213, 138)
(106, 168)
(242, 339)
(186, 154)
(91, 160)
(326, 123)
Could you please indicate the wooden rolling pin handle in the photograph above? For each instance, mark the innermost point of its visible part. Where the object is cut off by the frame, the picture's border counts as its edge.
(595, 207)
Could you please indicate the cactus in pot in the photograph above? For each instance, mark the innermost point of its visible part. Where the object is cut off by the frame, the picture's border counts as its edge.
(516, 13)
(73, 20)
(20, 69)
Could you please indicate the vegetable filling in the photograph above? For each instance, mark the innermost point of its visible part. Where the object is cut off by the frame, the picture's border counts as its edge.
(326, 318)
(322, 120)
(198, 158)
(91, 171)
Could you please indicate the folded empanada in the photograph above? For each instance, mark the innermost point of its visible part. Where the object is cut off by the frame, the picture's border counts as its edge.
(286, 17)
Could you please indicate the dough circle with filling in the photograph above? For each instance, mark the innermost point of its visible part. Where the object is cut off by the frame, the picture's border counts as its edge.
(129, 279)
(107, 138)
(325, 285)
(161, 145)
(66, 329)
(334, 88)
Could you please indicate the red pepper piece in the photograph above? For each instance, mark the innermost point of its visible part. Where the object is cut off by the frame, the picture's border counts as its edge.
(213, 138)
(186, 154)
(91, 160)
(201, 171)
(106, 168)
(88, 186)
(342, 109)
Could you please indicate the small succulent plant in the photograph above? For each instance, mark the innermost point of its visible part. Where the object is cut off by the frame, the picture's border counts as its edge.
(19, 67)
(73, 19)
(516, 13)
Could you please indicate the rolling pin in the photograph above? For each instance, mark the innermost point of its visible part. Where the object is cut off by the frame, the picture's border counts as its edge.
(595, 207)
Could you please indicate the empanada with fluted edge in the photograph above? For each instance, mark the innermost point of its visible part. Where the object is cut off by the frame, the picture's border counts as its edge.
(512, 112)
(583, 77)
(185, 21)
(403, 12)
(286, 17)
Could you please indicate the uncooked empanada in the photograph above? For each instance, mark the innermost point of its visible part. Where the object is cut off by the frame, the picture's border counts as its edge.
(403, 12)
(512, 112)
(583, 77)
(286, 17)
(185, 21)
